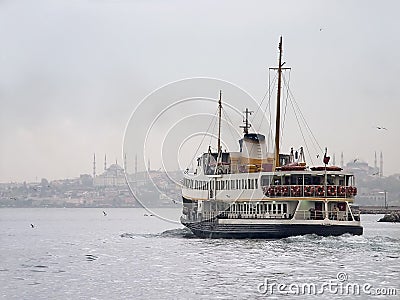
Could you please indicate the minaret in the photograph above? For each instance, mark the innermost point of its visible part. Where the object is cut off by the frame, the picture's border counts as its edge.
(341, 160)
(105, 162)
(148, 165)
(381, 166)
(94, 166)
(375, 163)
(126, 171)
(116, 172)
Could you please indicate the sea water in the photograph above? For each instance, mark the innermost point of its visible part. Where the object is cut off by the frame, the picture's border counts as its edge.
(123, 253)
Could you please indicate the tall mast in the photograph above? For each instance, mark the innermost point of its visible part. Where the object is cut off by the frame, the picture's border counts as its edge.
(219, 120)
(278, 106)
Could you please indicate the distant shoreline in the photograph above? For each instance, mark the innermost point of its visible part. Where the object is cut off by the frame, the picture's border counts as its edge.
(378, 209)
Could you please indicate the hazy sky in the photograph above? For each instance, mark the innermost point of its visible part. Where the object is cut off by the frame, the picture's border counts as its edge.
(72, 72)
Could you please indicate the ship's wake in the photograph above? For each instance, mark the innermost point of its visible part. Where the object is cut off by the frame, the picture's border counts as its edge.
(183, 233)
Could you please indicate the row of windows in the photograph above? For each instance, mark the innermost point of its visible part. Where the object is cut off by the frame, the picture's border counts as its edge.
(260, 208)
(236, 184)
(195, 184)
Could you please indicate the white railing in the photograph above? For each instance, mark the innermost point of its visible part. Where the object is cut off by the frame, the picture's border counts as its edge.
(330, 191)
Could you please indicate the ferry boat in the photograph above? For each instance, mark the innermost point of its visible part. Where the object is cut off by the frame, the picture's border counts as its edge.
(255, 194)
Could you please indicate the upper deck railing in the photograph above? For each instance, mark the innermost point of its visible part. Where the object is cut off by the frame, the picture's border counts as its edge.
(329, 191)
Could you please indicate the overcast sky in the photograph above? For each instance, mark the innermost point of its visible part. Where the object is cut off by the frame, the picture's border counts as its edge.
(72, 72)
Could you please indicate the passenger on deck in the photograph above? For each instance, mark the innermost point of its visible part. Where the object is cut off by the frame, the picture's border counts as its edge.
(335, 212)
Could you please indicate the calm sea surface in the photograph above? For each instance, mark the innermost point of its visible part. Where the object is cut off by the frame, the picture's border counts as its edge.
(127, 254)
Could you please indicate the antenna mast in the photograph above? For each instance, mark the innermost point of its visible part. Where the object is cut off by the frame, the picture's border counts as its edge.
(219, 120)
(246, 121)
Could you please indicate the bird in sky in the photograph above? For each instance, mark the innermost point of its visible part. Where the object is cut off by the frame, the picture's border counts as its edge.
(375, 174)
(381, 128)
(33, 226)
(355, 160)
(104, 213)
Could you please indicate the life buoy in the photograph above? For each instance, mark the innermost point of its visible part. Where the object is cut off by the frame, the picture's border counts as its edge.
(285, 191)
(295, 190)
(349, 191)
(308, 190)
(271, 191)
(278, 190)
(341, 190)
(332, 190)
(320, 190)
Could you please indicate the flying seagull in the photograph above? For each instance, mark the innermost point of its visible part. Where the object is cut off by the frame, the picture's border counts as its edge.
(104, 213)
(381, 128)
(33, 226)
(355, 160)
